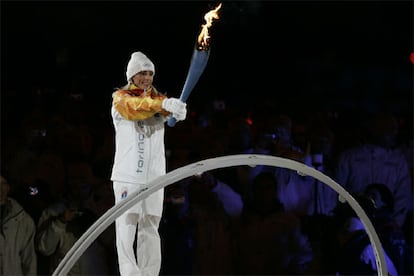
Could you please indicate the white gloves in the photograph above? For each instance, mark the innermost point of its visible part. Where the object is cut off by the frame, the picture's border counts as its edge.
(176, 107)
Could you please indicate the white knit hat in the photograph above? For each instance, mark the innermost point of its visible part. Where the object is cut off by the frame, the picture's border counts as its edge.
(138, 62)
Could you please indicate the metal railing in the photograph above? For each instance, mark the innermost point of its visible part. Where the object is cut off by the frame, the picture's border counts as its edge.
(206, 165)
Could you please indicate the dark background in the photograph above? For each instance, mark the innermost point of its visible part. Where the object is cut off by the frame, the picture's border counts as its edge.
(307, 54)
(342, 58)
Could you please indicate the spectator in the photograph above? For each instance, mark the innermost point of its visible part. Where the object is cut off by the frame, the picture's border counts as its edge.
(294, 191)
(210, 228)
(18, 256)
(353, 253)
(321, 142)
(63, 222)
(231, 200)
(392, 237)
(270, 240)
(378, 160)
(176, 238)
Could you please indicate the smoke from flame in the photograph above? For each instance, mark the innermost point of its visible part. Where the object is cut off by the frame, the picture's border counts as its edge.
(203, 37)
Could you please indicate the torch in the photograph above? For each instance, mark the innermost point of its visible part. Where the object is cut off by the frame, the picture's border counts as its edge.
(199, 58)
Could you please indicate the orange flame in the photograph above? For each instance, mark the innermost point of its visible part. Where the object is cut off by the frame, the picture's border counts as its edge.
(204, 37)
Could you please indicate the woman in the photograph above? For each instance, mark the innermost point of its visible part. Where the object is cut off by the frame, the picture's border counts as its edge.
(139, 112)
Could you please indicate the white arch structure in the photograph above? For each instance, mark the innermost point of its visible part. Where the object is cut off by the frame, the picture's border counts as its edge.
(206, 165)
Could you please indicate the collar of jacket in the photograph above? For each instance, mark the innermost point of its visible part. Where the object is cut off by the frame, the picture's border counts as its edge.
(135, 91)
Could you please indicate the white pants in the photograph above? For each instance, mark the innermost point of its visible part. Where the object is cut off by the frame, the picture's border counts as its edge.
(137, 224)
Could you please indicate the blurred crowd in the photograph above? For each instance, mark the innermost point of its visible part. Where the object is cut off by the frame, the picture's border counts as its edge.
(57, 152)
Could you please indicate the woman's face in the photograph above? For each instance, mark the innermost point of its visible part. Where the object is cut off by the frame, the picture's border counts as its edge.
(143, 79)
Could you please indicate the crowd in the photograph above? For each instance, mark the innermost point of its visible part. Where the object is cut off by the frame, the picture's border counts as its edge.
(56, 158)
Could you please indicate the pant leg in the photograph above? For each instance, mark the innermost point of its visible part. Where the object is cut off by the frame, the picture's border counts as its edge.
(149, 245)
(125, 231)
(125, 227)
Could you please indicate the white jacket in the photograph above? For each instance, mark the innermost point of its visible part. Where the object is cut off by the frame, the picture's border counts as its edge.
(139, 149)
(17, 251)
(139, 143)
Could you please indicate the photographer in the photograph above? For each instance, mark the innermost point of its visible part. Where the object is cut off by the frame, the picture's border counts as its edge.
(63, 222)
(59, 227)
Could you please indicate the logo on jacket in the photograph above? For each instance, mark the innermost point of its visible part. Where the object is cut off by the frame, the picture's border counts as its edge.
(141, 149)
(124, 194)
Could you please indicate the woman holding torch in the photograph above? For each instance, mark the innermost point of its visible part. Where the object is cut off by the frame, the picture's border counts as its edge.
(139, 112)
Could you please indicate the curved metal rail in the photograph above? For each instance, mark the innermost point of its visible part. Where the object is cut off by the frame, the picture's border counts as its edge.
(206, 165)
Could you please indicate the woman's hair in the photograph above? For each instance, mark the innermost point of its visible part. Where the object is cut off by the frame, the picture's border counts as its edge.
(343, 211)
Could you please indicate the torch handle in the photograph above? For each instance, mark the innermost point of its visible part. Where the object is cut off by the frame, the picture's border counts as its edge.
(197, 65)
(171, 121)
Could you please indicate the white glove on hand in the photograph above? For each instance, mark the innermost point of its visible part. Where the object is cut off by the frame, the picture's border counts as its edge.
(180, 116)
(176, 107)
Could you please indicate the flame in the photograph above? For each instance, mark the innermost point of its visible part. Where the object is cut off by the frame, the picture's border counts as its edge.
(204, 37)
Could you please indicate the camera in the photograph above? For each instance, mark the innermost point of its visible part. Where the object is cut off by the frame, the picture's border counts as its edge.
(33, 190)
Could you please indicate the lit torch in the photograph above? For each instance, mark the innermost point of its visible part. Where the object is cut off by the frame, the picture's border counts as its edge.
(199, 58)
